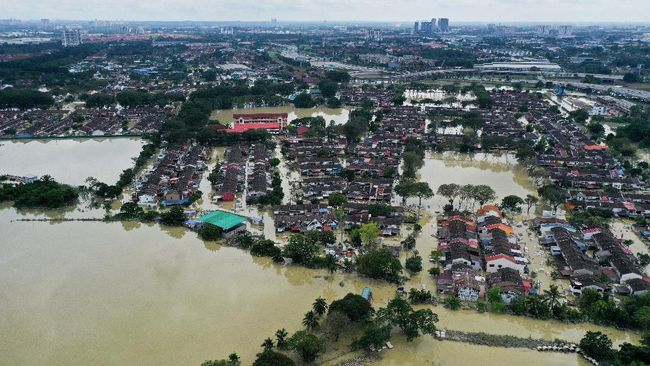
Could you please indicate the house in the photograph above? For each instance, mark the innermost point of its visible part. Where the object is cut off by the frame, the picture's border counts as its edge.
(496, 262)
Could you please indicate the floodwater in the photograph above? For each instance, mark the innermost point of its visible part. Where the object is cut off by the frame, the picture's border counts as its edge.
(70, 161)
(338, 115)
(141, 294)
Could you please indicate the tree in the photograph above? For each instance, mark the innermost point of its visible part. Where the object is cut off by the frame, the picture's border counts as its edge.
(353, 306)
(310, 321)
(414, 264)
(274, 162)
(530, 201)
(331, 263)
(337, 199)
(422, 190)
(483, 193)
(272, 358)
(449, 191)
(596, 129)
(579, 115)
(596, 345)
(511, 203)
(300, 249)
(209, 232)
(405, 189)
(303, 100)
(267, 345)
(434, 271)
(552, 194)
(233, 360)
(552, 298)
(631, 77)
(307, 345)
(281, 338)
(452, 303)
(380, 264)
(319, 306)
(374, 335)
(369, 233)
(399, 313)
(335, 323)
(173, 217)
(327, 88)
(409, 242)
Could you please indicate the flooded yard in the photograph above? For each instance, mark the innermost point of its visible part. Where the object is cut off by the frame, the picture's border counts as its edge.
(70, 161)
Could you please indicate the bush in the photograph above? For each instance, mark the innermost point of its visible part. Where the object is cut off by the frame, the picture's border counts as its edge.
(414, 264)
(380, 264)
(210, 232)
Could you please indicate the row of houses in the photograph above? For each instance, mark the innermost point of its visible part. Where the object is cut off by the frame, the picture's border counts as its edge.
(81, 122)
(591, 258)
(173, 178)
(471, 247)
(308, 217)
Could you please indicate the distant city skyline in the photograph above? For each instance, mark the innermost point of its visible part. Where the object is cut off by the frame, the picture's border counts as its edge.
(568, 11)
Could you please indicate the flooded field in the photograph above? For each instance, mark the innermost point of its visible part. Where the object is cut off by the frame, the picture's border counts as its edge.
(70, 161)
(140, 294)
(338, 115)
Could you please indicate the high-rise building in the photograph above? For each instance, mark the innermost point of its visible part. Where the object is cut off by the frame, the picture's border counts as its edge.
(416, 27)
(443, 24)
(70, 37)
(434, 27)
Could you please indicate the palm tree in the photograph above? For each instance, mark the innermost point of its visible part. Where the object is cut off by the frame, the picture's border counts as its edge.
(319, 306)
(310, 321)
(330, 263)
(552, 298)
(281, 338)
(267, 345)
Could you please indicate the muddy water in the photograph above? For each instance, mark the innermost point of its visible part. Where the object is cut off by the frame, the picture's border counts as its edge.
(70, 161)
(338, 115)
(136, 294)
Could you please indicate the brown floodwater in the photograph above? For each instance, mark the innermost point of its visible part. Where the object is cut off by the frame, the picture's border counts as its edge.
(70, 161)
(140, 294)
(338, 115)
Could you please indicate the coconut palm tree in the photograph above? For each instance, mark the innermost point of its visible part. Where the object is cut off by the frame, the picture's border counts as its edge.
(330, 263)
(319, 306)
(281, 338)
(310, 321)
(267, 345)
(552, 298)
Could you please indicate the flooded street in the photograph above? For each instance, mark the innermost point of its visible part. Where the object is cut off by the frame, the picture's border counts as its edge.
(141, 294)
(70, 161)
(338, 115)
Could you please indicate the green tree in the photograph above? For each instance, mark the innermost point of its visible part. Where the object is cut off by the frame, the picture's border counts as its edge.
(414, 264)
(353, 306)
(173, 217)
(281, 338)
(450, 191)
(209, 232)
(335, 323)
(452, 303)
(310, 321)
(369, 233)
(307, 345)
(596, 345)
(267, 345)
(511, 203)
(300, 249)
(271, 358)
(374, 335)
(530, 201)
(380, 264)
(319, 306)
(337, 199)
(552, 194)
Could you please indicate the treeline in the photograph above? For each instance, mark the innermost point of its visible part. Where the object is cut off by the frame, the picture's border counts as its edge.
(450, 57)
(636, 127)
(25, 99)
(44, 192)
(131, 99)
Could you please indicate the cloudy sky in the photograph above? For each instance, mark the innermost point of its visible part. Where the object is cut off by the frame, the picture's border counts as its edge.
(369, 10)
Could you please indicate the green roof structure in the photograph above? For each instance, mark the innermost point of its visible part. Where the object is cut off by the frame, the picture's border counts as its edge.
(225, 220)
